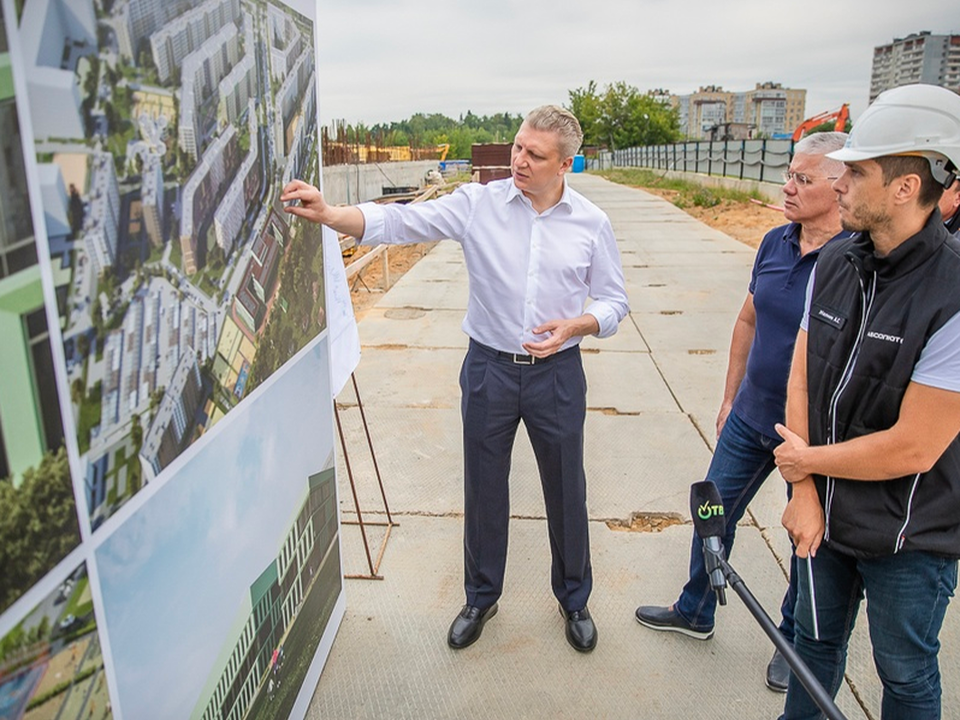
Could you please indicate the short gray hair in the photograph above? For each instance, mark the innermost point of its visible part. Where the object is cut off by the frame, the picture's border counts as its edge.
(553, 118)
(822, 143)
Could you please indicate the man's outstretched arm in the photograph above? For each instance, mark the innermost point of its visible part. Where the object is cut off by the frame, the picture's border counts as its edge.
(347, 220)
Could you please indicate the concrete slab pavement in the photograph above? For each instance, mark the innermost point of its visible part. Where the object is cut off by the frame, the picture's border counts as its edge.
(653, 393)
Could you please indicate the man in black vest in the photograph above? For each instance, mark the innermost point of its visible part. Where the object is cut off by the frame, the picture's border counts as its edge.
(873, 410)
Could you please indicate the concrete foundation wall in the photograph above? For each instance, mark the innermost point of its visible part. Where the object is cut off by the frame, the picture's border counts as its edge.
(771, 191)
(352, 184)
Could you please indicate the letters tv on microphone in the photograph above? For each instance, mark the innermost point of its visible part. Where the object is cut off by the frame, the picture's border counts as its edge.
(706, 509)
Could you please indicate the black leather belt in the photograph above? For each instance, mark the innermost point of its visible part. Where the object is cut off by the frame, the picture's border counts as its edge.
(516, 358)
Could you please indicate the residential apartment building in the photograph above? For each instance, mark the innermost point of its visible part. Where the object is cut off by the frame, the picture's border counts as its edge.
(173, 42)
(201, 74)
(301, 135)
(259, 280)
(152, 197)
(30, 423)
(769, 108)
(243, 190)
(102, 223)
(917, 58)
(289, 100)
(137, 20)
(203, 191)
(54, 36)
(236, 90)
(171, 429)
(286, 42)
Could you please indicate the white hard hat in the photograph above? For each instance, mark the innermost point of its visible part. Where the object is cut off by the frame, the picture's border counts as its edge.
(909, 120)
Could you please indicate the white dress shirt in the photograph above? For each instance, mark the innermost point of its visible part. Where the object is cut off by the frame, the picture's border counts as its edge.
(524, 268)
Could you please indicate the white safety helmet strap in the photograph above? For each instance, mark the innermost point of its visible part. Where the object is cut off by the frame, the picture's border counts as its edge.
(941, 167)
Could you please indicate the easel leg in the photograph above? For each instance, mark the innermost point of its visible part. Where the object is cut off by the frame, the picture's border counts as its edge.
(390, 524)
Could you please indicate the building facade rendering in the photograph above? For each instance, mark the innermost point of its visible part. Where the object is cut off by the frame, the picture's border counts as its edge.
(273, 603)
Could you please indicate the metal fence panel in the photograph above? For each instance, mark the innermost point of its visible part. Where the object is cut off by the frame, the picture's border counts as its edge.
(763, 160)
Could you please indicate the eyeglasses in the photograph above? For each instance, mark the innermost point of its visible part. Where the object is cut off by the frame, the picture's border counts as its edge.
(801, 179)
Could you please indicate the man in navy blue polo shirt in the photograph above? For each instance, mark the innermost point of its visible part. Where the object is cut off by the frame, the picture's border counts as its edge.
(756, 383)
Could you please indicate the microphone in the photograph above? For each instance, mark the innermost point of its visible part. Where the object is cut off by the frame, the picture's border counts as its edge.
(706, 508)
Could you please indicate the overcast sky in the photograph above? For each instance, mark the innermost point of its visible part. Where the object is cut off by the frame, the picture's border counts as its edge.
(382, 60)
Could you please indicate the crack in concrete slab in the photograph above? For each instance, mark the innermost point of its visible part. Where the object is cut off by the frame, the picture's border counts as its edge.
(646, 522)
(614, 411)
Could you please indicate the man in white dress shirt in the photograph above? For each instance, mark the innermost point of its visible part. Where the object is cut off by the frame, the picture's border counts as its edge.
(535, 251)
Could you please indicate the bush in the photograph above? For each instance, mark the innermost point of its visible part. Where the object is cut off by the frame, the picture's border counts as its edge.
(690, 193)
(703, 197)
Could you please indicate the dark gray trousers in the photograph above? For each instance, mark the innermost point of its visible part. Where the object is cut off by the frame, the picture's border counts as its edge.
(550, 398)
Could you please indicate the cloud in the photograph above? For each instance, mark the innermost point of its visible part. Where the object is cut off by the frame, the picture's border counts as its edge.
(381, 62)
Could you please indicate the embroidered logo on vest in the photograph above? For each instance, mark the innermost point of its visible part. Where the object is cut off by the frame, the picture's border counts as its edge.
(885, 337)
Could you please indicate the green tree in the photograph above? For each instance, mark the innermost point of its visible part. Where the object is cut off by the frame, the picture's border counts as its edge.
(586, 104)
(216, 258)
(156, 397)
(92, 81)
(136, 432)
(621, 116)
(76, 391)
(76, 211)
(38, 525)
(83, 344)
(96, 317)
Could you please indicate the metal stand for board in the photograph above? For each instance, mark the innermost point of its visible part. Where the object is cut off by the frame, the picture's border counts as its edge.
(389, 524)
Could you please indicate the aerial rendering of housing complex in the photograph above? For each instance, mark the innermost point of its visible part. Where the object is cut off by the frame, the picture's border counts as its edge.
(164, 132)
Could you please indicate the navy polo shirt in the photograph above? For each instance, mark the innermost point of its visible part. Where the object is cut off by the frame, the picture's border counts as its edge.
(778, 286)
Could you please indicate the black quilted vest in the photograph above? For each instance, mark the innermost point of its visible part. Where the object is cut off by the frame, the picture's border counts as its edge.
(870, 318)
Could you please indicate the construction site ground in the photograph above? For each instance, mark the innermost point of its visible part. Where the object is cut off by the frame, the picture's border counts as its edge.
(653, 393)
(743, 221)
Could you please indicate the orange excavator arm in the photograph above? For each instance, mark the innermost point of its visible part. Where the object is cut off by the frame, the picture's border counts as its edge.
(839, 117)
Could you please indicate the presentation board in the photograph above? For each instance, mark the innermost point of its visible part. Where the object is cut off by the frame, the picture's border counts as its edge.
(171, 342)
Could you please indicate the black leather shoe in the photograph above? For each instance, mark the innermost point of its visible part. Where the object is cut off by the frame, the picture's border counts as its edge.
(581, 632)
(466, 627)
(656, 617)
(778, 673)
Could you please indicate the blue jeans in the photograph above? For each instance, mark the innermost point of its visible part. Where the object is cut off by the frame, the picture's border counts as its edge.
(907, 597)
(741, 462)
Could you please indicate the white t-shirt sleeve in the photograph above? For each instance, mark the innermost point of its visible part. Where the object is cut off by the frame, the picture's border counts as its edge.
(805, 320)
(939, 363)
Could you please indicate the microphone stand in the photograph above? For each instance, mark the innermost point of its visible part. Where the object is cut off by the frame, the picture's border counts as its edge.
(796, 663)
